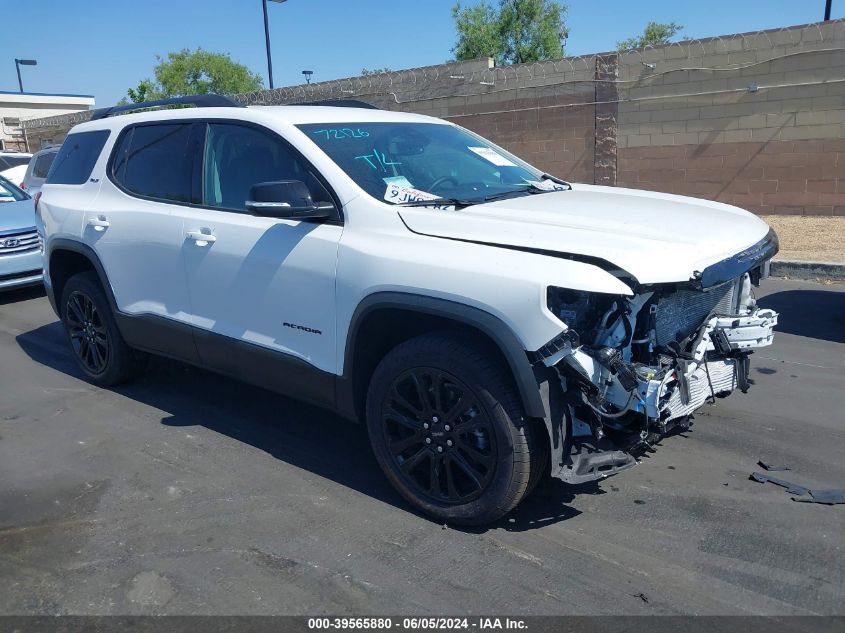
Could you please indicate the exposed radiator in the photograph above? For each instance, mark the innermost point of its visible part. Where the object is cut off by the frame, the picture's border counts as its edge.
(682, 313)
(722, 378)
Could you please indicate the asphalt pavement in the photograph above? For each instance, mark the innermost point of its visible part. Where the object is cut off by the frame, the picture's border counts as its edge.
(188, 493)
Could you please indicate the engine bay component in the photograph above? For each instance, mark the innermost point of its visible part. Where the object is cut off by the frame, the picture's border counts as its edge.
(641, 364)
(611, 358)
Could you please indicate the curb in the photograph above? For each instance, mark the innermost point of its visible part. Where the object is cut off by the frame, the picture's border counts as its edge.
(807, 270)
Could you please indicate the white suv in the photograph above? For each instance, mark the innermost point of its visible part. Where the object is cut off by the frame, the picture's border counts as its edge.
(490, 324)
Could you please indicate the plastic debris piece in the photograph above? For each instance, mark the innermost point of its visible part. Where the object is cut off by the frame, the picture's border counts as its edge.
(791, 488)
(770, 467)
(829, 497)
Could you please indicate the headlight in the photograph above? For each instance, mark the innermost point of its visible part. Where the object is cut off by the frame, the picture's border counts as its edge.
(568, 305)
(578, 309)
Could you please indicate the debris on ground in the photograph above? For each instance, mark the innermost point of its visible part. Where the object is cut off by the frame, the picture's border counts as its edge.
(829, 497)
(802, 494)
(641, 596)
(770, 466)
(791, 488)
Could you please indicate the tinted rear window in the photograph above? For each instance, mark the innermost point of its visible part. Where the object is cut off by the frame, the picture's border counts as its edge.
(156, 161)
(76, 158)
(42, 165)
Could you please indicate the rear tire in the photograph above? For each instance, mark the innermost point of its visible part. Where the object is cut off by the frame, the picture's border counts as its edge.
(448, 430)
(93, 335)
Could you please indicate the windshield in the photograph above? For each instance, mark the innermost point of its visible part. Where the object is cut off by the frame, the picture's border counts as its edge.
(406, 163)
(10, 193)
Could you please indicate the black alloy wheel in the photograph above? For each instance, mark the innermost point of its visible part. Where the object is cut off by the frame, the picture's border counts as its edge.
(92, 333)
(438, 435)
(88, 333)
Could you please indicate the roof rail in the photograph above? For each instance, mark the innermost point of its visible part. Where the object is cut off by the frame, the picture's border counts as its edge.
(339, 103)
(199, 101)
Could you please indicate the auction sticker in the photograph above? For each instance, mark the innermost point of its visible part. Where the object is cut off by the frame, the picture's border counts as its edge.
(397, 194)
(492, 156)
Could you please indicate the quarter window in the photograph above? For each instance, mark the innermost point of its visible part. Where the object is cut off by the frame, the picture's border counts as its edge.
(156, 161)
(76, 158)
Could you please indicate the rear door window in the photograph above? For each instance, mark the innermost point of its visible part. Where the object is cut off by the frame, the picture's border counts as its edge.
(156, 161)
(42, 165)
(77, 157)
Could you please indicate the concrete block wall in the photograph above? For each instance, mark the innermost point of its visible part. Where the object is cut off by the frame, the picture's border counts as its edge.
(765, 132)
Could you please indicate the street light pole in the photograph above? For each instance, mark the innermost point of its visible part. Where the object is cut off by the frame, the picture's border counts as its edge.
(267, 40)
(23, 62)
(827, 10)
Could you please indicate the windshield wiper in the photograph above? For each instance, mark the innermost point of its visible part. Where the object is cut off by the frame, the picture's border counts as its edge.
(530, 189)
(438, 202)
(555, 179)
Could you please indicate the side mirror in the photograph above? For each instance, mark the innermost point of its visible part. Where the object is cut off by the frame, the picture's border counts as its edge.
(287, 199)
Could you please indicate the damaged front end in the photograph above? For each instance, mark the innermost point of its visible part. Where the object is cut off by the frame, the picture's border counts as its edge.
(628, 369)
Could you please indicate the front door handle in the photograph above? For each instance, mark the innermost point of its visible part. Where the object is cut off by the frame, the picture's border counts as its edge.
(201, 237)
(99, 223)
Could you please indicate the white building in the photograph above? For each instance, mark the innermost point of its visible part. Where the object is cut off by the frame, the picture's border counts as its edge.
(20, 106)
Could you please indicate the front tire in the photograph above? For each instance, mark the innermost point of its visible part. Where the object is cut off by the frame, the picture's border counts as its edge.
(93, 335)
(448, 430)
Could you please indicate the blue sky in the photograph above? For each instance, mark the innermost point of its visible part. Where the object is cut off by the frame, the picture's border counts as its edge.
(102, 47)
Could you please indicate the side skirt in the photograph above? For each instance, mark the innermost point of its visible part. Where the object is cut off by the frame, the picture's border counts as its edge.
(254, 364)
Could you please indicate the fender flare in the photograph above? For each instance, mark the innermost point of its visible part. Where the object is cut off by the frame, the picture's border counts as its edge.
(74, 246)
(493, 327)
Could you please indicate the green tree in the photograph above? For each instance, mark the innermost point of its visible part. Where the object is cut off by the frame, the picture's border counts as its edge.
(375, 71)
(195, 72)
(655, 34)
(145, 91)
(516, 32)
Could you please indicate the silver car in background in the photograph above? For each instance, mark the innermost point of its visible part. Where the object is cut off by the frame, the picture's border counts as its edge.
(38, 168)
(21, 258)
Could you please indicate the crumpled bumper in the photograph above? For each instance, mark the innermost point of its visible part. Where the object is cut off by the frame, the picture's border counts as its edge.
(717, 365)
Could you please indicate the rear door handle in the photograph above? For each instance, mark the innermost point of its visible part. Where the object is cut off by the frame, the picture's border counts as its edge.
(99, 223)
(201, 237)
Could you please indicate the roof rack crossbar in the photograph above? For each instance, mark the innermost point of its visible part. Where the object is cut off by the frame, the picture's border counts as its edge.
(199, 101)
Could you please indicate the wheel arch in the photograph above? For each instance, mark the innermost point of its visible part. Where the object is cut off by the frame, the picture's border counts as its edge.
(66, 258)
(383, 320)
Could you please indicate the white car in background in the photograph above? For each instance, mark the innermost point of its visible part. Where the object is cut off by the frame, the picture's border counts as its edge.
(37, 170)
(13, 166)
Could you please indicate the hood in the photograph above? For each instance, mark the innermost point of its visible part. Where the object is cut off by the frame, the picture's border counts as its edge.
(655, 237)
(15, 175)
(17, 215)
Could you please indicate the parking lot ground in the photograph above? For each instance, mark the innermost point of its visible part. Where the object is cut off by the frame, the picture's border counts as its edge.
(190, 493)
